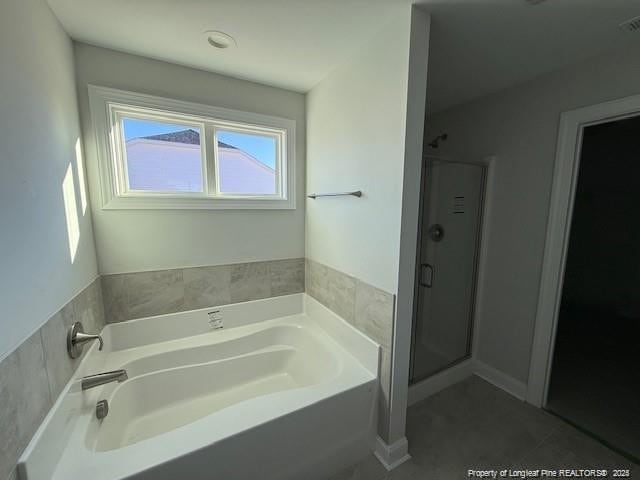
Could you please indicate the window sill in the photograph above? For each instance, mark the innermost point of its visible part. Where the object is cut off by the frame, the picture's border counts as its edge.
(182, 203)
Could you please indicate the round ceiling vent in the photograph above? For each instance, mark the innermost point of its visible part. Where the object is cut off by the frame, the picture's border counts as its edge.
(219, 39)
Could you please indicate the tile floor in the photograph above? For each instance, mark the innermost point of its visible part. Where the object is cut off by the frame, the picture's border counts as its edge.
(474, 425)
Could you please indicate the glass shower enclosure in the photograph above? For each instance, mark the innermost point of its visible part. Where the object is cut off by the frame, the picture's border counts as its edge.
(451, 217)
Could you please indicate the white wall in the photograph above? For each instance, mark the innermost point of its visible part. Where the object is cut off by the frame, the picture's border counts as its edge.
(416, 106)
(365, 126)
(355, 141)
(44, 262)
(520, 127)
(130, 240)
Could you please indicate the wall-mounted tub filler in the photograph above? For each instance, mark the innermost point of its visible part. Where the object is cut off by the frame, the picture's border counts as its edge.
(98, 379)
(76, 338)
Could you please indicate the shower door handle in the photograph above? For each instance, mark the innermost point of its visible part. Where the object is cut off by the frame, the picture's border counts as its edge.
(426, 275)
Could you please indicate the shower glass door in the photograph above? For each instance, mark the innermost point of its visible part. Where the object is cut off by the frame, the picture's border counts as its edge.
(446, 274)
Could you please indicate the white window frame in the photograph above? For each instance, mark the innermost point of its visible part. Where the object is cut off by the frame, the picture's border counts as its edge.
(109, 106)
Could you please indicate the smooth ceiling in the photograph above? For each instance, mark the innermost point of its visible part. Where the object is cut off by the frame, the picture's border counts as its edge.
(477, 46)
(291, 44)
(482, 46)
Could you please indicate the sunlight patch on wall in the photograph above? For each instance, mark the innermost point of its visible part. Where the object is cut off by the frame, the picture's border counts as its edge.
(71, 212)
(82, 182)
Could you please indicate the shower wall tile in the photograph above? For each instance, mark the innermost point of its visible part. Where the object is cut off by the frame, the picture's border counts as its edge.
(367, 308)
(88, 307)
(250, 281)
(155, 293)
(317, 281)
(286, 276)
(374, 313)
(342, 294)
(33, 375)
(115, 297)
(59, 365)
(207, 286)
(24, 399)
(334, 289)
(68, 313)
(134, 295)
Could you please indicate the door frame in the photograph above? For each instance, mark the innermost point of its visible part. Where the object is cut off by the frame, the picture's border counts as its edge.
(487, 165)
(565, 174)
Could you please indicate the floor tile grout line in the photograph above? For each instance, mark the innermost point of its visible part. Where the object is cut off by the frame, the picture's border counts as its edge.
(538, 445)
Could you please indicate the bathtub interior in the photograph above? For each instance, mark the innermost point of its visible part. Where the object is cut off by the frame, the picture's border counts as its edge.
(172, 389)
(221, 348)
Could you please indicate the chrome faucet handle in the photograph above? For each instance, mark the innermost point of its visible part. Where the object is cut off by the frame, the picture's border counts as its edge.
(76, 338)
(86, 337)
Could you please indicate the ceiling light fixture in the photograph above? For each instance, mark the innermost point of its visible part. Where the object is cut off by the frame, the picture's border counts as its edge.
(219, 39)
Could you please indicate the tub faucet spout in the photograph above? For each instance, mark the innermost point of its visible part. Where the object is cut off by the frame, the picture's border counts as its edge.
(91, 381)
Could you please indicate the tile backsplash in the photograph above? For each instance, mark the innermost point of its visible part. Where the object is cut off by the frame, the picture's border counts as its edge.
(367, 308)
(33, 375)
(143, 294)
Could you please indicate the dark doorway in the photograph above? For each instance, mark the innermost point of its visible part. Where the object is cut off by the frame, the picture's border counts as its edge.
(595, 377)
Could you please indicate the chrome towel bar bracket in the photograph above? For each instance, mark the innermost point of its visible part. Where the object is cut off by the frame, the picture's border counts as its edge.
(357, 193)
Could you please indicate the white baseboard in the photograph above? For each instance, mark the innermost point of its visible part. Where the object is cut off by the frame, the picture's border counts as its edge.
(421, 390)
(391, 456)
(501, 380)
(440, 381)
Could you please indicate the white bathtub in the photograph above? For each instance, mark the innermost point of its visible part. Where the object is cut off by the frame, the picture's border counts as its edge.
(284, 390)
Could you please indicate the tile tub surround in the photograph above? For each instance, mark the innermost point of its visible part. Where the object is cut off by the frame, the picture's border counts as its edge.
(367, 308)
(33, 375)
(144, 294)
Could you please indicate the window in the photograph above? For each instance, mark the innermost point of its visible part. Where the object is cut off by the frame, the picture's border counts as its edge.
(246, 163)
(162, 157)
(160, 153)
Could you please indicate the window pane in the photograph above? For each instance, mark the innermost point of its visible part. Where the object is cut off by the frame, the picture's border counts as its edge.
(246, 163)
(162, 157)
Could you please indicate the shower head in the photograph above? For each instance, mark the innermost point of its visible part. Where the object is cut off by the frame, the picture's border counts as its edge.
(435, 143)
